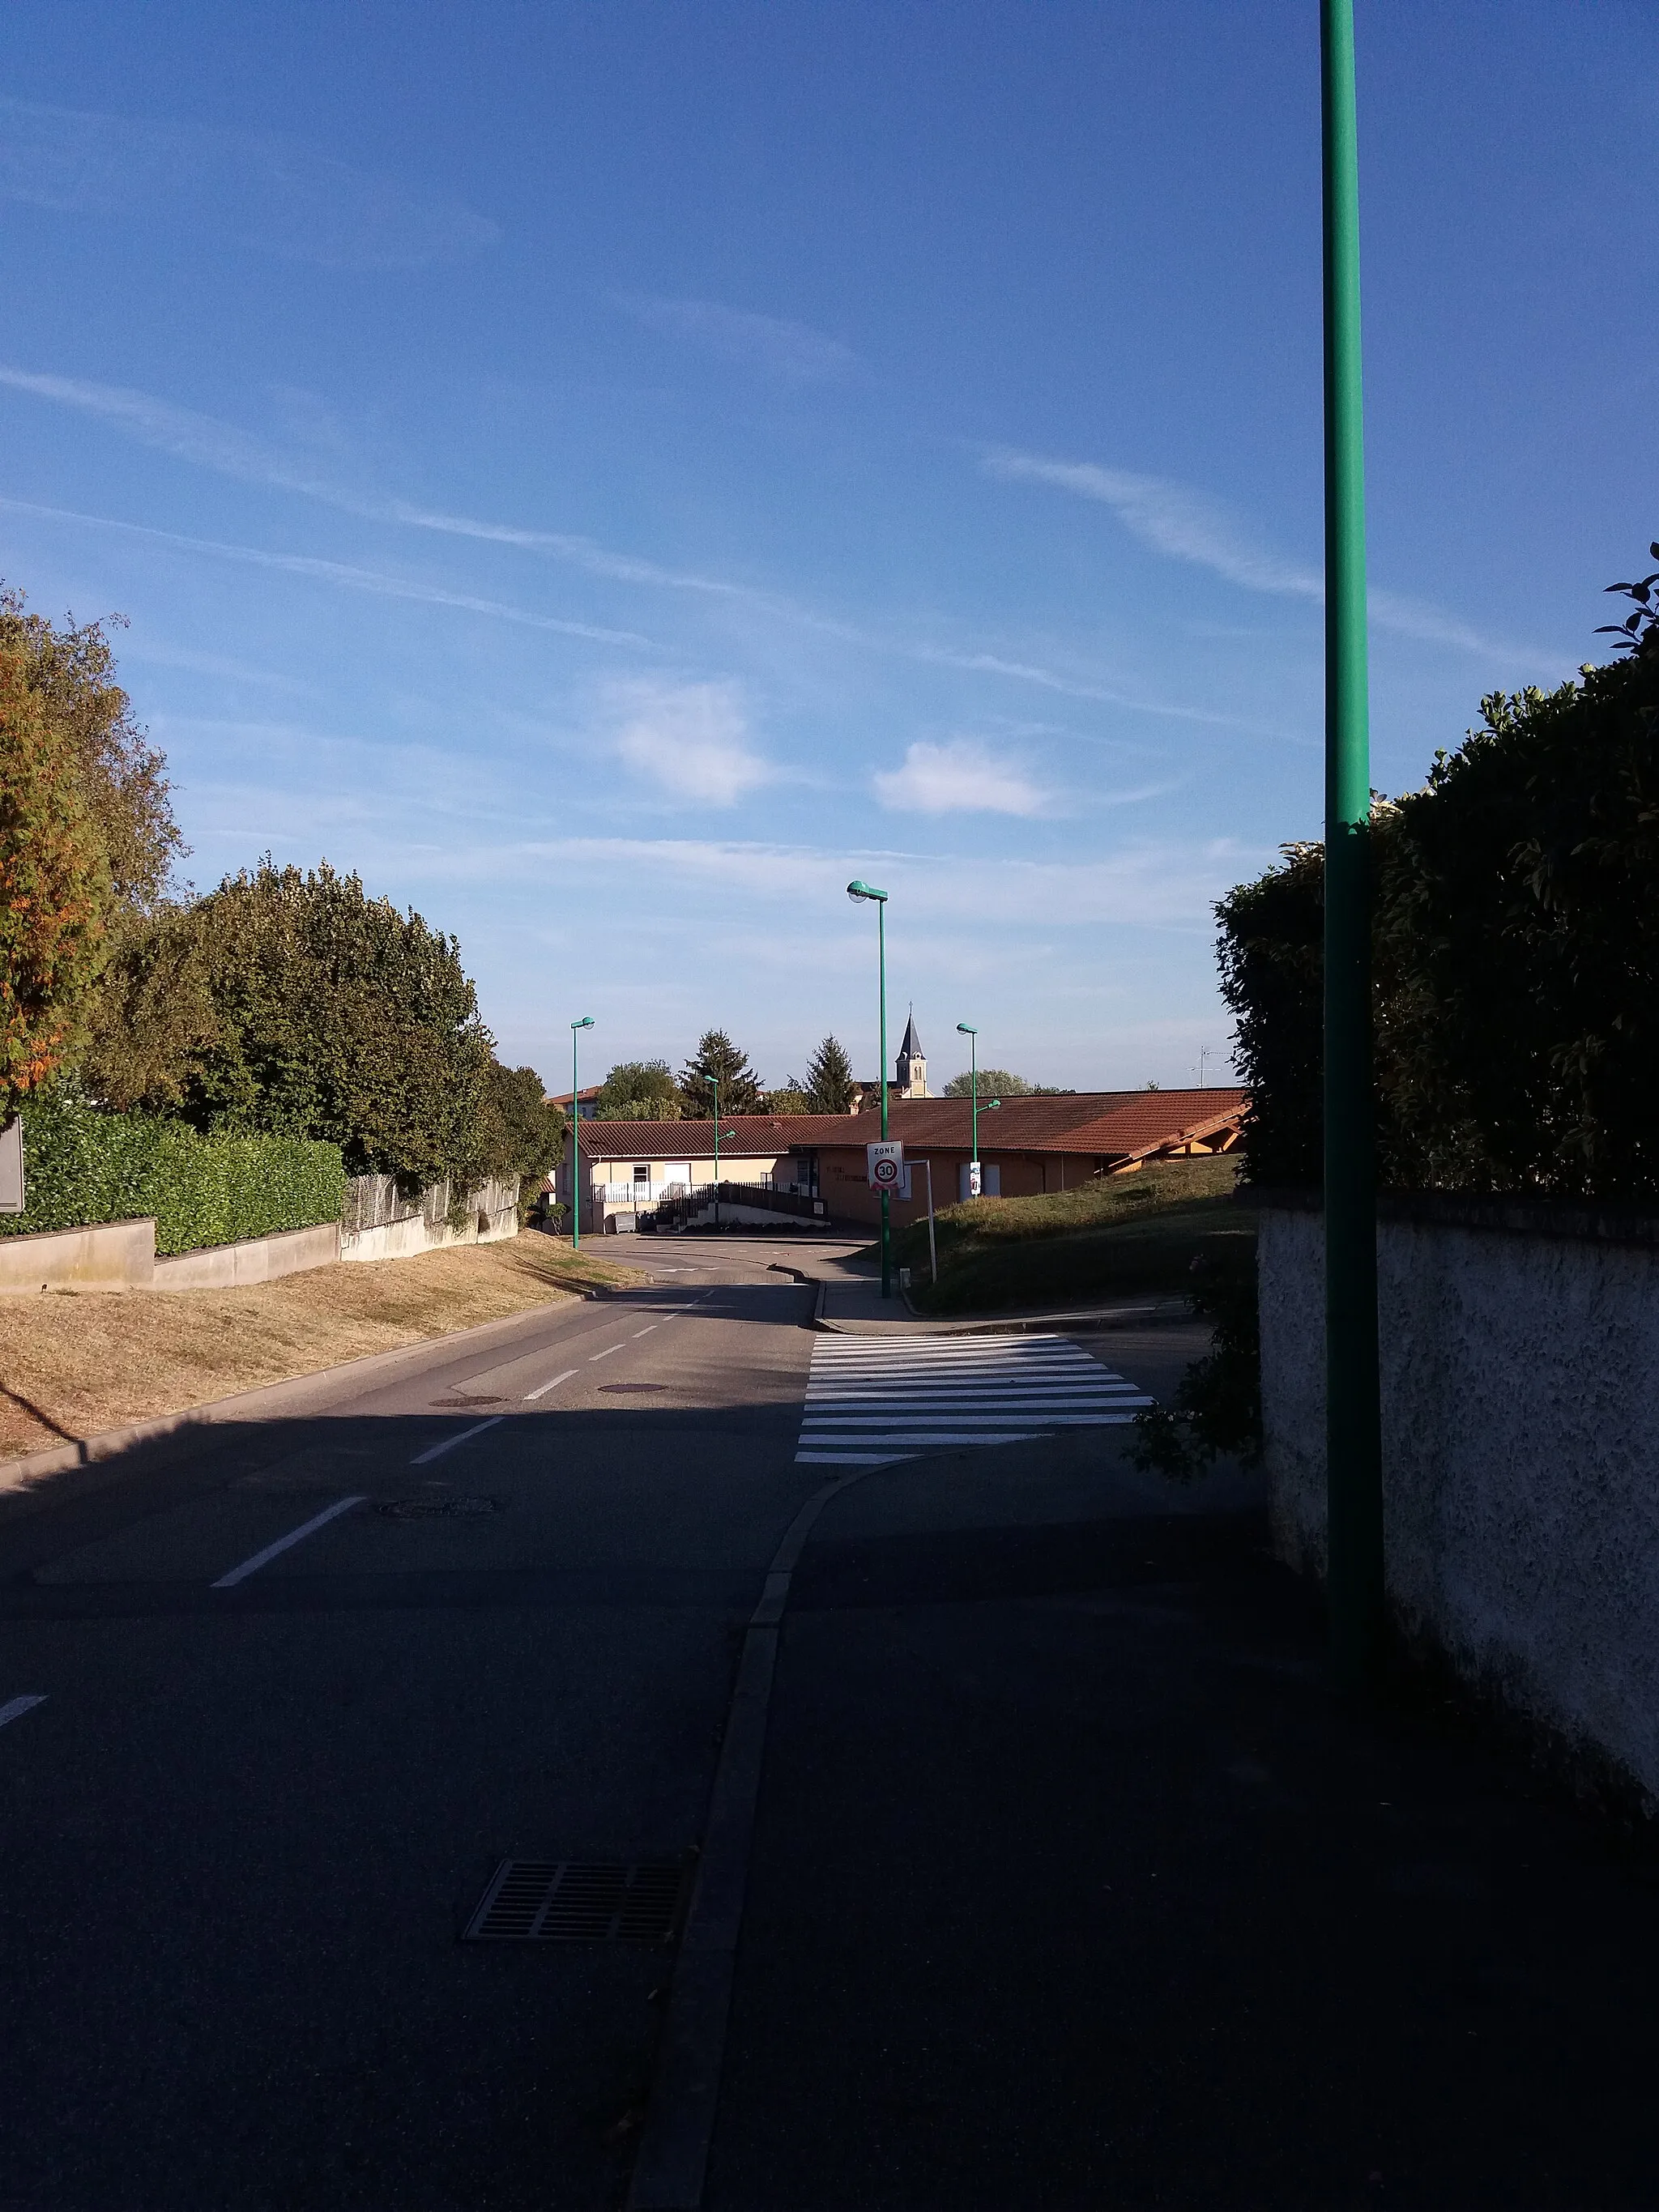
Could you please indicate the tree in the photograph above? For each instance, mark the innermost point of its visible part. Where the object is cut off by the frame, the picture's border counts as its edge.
(789, 1097)
(829, 1086)
(123, 777)
(739, 1085)
(518, 1131)
(638, 1090)
(994, 1083)
(54, 883)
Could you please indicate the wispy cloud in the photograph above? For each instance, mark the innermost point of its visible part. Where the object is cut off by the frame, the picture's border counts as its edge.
(689, 743)
(205, 441)
(1152, 885)
(273, 193)
(1188, 526)
(334, 572)
(960, 777)
(792, 351)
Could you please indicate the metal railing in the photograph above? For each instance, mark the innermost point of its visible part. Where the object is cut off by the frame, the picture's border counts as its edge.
(376, 1201)
(677, 1212)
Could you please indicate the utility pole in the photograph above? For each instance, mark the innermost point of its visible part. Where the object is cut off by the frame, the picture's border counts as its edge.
(585, 1023)
(1352, 1394)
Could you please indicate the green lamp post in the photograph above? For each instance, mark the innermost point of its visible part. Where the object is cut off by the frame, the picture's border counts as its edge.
(972, 1035)
(861, 893)
(1353, 1453)
(585, 1023)
(715, 1080)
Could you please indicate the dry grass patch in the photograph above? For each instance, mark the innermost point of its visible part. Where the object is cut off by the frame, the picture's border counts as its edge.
(72, 1363)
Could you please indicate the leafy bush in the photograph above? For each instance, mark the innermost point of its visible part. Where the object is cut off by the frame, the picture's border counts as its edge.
(1217, 1401)
(1516, 940)
(83, 1165)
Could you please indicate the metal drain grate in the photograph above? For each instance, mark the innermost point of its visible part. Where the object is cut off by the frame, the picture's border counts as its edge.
(621, 1389)
(436, 1509)
(578, 1901)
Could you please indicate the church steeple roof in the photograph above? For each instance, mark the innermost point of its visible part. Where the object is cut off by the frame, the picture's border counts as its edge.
(912, 1047)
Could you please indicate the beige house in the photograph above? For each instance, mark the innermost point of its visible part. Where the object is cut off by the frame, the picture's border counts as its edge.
(1026, 1145)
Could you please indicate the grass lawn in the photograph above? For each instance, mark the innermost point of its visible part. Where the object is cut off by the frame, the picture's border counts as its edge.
(1118, 1234)
(73, 1363)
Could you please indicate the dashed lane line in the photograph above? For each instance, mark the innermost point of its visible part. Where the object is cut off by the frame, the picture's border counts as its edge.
(542, 1389)
(14, 1708)
(286, 1543)
(437, 1451)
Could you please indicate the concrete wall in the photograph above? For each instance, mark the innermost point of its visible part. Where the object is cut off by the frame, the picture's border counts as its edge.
(256, 1260)
(1520, 1364)
(403, 1240)
(115, 1255)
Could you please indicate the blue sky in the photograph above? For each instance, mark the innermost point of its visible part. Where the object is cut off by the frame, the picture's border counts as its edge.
(610, 473)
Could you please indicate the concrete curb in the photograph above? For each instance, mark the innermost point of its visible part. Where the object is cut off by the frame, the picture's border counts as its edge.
(18, 1475)
(1103, 1317)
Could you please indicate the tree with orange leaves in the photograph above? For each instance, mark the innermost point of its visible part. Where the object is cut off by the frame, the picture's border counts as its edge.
(55, 888)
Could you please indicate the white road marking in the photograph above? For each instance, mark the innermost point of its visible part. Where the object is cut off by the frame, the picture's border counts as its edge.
(606, 1354)
(542, 1391)
(874, 1399)
(646, 1331)
(437, 1451)
(14, 1708)
(284, 1543)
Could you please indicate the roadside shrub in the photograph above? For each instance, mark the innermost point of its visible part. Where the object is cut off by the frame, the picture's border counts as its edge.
(1216, 1409)
(1516, 944)
(83, 1165)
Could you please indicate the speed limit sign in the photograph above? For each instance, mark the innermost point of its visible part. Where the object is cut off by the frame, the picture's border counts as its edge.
(886, 1166)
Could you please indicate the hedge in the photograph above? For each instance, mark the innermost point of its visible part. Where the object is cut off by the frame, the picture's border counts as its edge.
(1516, 940)
(83, 1165)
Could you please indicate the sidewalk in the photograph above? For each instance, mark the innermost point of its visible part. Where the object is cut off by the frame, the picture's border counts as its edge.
(850, 1303)
(1071, 1888)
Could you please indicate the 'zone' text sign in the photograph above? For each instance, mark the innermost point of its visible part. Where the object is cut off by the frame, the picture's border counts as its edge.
(886, 1166)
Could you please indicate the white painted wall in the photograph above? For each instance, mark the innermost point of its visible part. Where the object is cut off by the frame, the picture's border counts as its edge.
(1519, 1451)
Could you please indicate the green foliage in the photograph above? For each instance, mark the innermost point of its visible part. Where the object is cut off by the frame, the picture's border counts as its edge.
(829, 1084)
(123, 778)
(54, 885)
(517, 1132)
(739, 1085)
(638, 1090)
(1217, 1401)
(1515, 958)
(790, 1097)
(83, 1164)
(994, 1083)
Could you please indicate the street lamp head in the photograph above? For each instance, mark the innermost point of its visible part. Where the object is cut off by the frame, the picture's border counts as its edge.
(858, 892)
(585, 1023)
(967, 1028)
(992, 1105)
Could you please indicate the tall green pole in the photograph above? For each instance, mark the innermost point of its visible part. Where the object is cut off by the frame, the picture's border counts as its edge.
(585, 1023)
(972, 1035)
(886, 1202)
(715, 1080)
(973, 1076)
(1354, 1417)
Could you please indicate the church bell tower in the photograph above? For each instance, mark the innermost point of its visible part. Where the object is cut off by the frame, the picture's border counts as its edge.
(912, 1063)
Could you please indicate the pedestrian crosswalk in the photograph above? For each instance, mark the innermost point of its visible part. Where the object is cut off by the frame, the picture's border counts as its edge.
(872, 1398)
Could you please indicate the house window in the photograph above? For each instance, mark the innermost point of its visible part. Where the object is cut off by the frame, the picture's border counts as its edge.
(643, 1171)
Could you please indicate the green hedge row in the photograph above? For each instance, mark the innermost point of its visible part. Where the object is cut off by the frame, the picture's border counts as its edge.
(83, 1165)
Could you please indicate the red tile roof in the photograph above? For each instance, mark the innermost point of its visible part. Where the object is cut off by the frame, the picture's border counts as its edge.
(1104, 1124)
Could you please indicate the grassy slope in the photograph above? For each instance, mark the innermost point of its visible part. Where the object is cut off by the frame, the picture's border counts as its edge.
(1118, 1234)
(74, 1364)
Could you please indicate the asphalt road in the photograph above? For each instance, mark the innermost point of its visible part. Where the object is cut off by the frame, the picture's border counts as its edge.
(247, 1824)
(1070, 1886)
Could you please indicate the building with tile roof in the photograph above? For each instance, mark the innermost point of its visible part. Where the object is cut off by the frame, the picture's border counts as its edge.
(1027, 1145)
